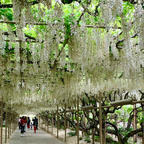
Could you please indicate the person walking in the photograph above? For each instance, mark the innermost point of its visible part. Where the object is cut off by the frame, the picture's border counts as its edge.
(31, 124)
(19, 123)
(23, 123)
(35, 124)
(28, 123)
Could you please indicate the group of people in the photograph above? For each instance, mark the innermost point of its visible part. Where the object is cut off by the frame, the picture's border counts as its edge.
(25, 121)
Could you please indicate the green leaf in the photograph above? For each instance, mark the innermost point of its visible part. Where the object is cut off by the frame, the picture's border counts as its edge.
(7, 12)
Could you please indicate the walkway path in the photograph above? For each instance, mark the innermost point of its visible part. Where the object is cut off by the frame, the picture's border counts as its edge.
(30, 137)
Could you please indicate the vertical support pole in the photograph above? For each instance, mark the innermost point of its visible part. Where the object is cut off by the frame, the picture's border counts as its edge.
(44, 123)
(85, 123)
(134, 122)
(105, 129)
(6, 127)
(143, 125)
(52, 122)
(57, 123)
(54, 119)
(93, 134)
(40, 123)
(14, 122)
(1, 123)
(48, 123)
(65, 122)
(68, 124)
(39, 120)
(10, 123)
(47, 126)
(8, 119)
(104, 116)
(78, 120)
(72, 116)
(100, 123)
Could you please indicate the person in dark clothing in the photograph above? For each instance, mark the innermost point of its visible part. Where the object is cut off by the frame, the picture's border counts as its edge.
(19, 123)
(23, 123)
(35, 124)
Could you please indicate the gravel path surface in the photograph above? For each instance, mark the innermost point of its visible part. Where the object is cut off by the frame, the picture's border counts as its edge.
(30, 137)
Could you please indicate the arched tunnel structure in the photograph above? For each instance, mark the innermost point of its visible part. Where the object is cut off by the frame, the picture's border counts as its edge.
(78, 65)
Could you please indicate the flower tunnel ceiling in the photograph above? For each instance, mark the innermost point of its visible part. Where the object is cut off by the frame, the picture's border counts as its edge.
(54, 51)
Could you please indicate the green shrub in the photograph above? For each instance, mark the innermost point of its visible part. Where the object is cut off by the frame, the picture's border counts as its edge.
(62, 127)
(140, 134)
(72, 128)
(72, 133)
(87, 139)
(96, 138)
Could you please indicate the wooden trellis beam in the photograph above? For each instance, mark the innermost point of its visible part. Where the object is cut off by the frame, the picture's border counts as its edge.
(45, 23)
(121, 102)
(32, 23)
(102, 27)
(113, 104)
(6, 5)
(116, 104)
(26, 40)
(125, 102)
(11, 5)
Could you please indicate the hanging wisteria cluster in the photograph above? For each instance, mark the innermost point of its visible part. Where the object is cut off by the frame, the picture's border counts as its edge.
(59, 66)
